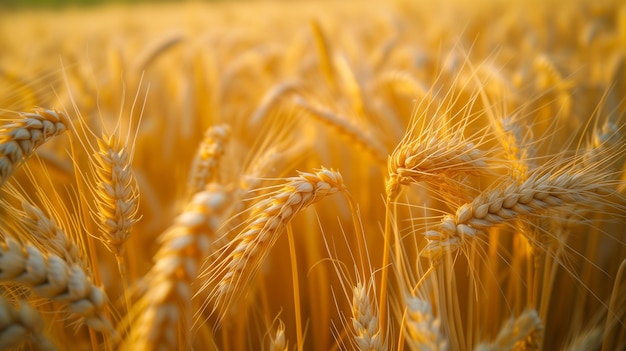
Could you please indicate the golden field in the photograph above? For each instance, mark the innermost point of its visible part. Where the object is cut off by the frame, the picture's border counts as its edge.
(397, 175)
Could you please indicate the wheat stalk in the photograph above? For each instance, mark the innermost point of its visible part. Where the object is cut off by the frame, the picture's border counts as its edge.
(514, 332)
(183, 248)
(422, 328)
(20, 325)
(21, 137)
(267, 220)
(367, 332)
(52, 277)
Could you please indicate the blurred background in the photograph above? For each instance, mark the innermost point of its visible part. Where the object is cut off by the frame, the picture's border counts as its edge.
(20, 4)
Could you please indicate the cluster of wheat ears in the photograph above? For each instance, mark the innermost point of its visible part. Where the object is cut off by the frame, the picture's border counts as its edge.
(314, 176)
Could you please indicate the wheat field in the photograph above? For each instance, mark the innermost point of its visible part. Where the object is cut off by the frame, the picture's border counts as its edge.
(403, 175)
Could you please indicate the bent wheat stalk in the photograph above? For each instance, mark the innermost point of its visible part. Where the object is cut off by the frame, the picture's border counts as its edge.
(22, 136)
(52, 277)
(267, 220)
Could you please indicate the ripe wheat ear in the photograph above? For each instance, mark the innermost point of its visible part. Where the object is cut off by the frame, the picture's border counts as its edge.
(117, 194)
(367, 332)
(167, 313)
(22, 136)
(52, 277)
(510, 200)
(229, 277)
(20, 325)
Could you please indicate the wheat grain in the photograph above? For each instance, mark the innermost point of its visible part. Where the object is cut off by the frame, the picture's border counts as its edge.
(22, 136)
(52, 277)
(21, 325)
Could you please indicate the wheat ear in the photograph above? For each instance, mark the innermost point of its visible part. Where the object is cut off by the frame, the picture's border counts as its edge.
(514, 333)
(423, 330)
(22, 136)
(432, 159)
(50, 235)
(512, 200)
(367, 332)
(279, 342)
(117, 195)
(357, 134)
(267, 220)
(18, 326)
(52, 277)
(205, 161)
(183, 248)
